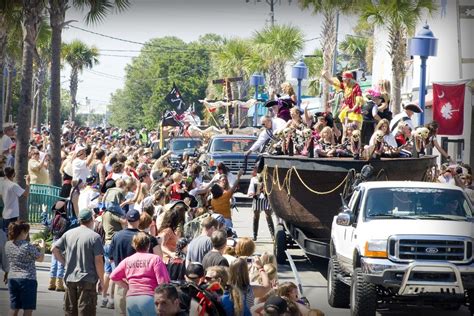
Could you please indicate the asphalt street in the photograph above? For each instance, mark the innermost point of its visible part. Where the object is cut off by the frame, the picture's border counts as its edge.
(312, 275)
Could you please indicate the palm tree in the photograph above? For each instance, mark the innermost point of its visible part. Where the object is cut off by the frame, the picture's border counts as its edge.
(231, 60)
(42, 60)
(400, 18)
(79, 56)
(315, 66)
(31, 20)
(278, 44)
(98, 10)
(330, 9)
(355, 48)
(9, 18)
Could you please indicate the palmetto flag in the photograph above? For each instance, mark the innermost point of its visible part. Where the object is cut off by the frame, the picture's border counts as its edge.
(175, 99)
(448, 108)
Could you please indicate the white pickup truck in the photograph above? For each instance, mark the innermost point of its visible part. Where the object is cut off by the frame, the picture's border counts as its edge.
(402, 243)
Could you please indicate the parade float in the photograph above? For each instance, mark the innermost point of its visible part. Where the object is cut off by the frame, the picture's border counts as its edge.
(305, 193)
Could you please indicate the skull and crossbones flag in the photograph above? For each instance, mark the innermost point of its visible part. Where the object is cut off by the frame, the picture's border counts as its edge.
(175, 99)
(448, 108)
(169, 119)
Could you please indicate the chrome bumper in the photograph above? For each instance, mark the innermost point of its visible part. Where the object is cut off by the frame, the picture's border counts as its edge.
(441, 277)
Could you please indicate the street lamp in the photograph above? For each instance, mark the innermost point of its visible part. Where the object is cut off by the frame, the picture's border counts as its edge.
(299, 72)
(424, 44)
(257, 79)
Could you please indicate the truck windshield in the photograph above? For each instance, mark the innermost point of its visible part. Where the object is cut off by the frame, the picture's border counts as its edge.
(184, 144)
(231, 144)
(429, 203)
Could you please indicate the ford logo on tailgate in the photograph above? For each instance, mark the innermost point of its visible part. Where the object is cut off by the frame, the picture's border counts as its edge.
(431, 250)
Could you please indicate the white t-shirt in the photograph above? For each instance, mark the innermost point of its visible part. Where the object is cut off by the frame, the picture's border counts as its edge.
(85, 199)
(10, 192)
(79, 169)
(400, 117)
(6, 143)
(231, 178)
(277, 124)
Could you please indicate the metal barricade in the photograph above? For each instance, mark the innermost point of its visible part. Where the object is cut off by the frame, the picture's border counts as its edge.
(41, 197)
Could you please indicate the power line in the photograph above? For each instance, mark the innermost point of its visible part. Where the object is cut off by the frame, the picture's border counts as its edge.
(141, 43)
(125, 56)
(141, 80)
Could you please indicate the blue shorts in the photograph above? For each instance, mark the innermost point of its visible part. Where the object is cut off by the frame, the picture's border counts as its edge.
(108, 265)
(22, 293)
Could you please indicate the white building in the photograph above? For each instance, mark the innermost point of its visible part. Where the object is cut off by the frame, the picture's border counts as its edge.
(453, 25)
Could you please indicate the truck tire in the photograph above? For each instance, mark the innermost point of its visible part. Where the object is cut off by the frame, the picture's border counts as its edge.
(338, 291)
(363, 296)
(470, 300)
(279, 246)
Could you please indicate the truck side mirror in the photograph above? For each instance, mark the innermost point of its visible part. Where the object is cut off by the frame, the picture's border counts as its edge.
(345, 218)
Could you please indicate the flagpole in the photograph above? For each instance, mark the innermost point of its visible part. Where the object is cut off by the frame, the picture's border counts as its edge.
(212, 116)
(161, 135)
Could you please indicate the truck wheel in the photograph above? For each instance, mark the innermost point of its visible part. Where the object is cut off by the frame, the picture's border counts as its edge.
(363, 296)
(470, 300)
(279, 246)
(338, 291)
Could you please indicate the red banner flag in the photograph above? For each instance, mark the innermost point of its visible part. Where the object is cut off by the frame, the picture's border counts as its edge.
(448, 108)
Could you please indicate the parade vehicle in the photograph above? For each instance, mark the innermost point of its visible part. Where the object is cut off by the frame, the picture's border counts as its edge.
(181, 145)
(399, 243)
(305, 193)
(230, 150)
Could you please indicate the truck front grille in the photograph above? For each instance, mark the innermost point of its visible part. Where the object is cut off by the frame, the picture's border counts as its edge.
(436, 248)
(234, 165)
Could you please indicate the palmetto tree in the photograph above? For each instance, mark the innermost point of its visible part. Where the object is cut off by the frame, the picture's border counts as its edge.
(78, 56)
(31, 21)
(400, 18)
(315, 65)
(329, 9)
(277, 45)
(10, 13)
(232, 60)
(355, 48)
(97, 10)
(42, 61)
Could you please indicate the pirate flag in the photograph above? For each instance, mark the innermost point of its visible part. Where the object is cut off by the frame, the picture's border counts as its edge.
(175, 100)
(169, 119)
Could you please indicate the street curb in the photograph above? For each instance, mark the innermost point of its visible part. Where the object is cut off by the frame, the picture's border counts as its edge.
(47, 258)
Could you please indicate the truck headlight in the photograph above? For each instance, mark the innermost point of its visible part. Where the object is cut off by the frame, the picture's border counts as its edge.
(376, 248)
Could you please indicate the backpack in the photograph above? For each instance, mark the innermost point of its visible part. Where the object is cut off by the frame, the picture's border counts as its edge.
(177, 268)
(209, 303)
(59, 224)
(99, 229)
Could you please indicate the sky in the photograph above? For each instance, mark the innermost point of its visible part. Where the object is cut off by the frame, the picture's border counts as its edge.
(186, 19)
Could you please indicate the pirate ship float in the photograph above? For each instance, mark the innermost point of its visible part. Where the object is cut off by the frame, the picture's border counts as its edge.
(305, 193)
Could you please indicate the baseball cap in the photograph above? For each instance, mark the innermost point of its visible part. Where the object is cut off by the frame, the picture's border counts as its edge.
(79, 148)
(90, 179)
(133, 216)
(276, 304)
(85, 214)
(195, 270)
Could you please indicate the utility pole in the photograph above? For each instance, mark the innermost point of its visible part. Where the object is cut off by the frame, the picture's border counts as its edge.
(271, 3)
(88, 104)
(272, 11)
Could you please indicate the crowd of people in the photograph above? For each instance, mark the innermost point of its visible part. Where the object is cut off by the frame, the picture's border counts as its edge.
(155, 236)
(136, 232)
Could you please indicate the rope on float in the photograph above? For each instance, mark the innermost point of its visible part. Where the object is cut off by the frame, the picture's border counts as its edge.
(287, 181)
